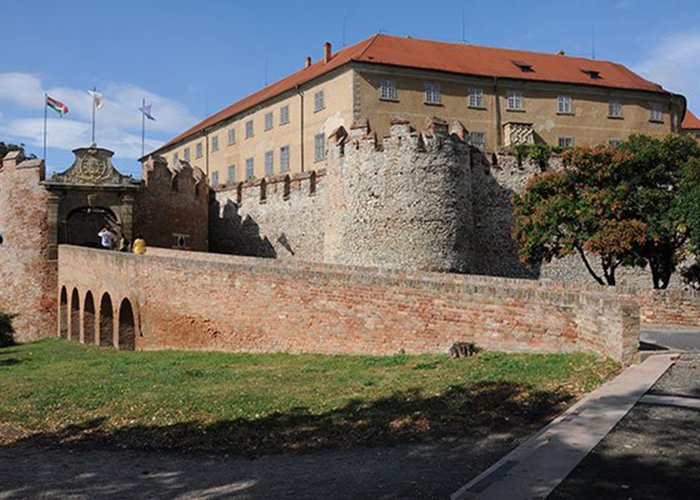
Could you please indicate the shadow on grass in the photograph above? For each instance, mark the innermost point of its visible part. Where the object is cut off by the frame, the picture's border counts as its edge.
(9, 362)
(477, 408)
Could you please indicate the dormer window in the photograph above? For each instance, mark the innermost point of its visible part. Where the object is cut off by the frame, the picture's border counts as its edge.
(524, 67)
(592, 74)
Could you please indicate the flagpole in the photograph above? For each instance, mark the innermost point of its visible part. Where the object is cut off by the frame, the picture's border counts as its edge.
(143, 129)
(46, 107)
(94, 89)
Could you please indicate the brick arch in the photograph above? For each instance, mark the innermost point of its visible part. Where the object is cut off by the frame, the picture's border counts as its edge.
(74, 328)
(89, 319)
(127, 326)
(63, 313)
(106, 323)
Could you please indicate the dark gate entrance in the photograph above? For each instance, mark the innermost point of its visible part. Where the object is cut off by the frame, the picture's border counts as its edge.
(83, 224)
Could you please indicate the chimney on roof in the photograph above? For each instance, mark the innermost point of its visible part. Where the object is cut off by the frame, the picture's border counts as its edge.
(308, 62)
(327, 52)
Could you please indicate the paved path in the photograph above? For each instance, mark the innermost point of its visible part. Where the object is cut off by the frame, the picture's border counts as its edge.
(426, 470)
(677, 339)
(636, 437)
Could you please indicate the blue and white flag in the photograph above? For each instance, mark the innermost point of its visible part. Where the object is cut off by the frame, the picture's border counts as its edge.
(146, 110)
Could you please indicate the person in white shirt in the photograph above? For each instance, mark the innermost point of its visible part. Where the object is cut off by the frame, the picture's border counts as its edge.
(108, 239)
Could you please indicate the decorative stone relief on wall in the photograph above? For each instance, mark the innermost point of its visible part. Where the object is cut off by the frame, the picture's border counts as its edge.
(518, 133)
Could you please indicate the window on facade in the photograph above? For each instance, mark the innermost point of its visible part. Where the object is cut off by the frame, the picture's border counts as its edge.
(215, 178)
(231, 136)
(269, 163)
(215, 143)
(187, 154)
(387, 90)
(231, 174)
(319, 147)
(268, 120)
(198, 150)
(515, 99)
(284, 115)
(176, 158)
(319, 102)
(478, 139)
(249, 129)
(476, 98)
(657, 114)
(566, 142)
(564, 105)
(284, 159)
(432, 93)
(615, 109)
(614, 142)
(249, 169)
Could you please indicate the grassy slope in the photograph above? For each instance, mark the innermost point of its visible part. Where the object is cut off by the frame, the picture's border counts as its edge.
(67, 392)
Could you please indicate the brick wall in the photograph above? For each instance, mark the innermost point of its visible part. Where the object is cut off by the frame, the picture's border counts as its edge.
(189, 300)
(27, 277)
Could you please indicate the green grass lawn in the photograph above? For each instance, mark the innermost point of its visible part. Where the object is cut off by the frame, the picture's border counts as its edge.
(61, 392)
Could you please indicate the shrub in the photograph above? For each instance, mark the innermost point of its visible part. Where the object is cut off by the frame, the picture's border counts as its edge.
(6, 330)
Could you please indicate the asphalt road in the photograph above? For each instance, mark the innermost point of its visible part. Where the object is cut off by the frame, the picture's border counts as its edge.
(674, 340)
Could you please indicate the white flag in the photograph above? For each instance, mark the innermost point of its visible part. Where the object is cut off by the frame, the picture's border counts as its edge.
(96, 98)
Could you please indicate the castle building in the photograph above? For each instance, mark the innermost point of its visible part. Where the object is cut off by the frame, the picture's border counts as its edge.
(691, 124)
(502, 97)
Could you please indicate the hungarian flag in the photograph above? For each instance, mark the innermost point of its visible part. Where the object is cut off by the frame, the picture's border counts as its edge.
(56, 105)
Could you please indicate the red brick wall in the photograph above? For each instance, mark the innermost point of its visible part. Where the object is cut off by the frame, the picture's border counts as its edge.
(220, 302)
(27, 277)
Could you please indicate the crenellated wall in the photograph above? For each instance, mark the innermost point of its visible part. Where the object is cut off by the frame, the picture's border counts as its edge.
(173, 205)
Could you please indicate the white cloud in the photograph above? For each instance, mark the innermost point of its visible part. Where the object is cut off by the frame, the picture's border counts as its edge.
(675, 64)
(118, 122)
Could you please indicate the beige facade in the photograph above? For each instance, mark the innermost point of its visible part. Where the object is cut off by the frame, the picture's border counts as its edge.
(499, 113)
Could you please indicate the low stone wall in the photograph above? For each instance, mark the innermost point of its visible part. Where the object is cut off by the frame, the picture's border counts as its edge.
(186, 300)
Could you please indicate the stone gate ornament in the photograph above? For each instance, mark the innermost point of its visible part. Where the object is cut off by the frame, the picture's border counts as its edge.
(92, 166)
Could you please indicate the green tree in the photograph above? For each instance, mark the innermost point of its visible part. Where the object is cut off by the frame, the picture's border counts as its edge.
(7, 147)
(584, 210)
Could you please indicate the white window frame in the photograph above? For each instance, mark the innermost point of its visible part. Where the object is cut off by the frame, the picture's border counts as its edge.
(215, 178)
(284, 159)
(186, 154)
(614, 142)
(232, 136)
(269, 163)
(176, 157)
(249, 168)
(476, 98)
(515, 100)
(615, 108)
(284, 115)
(319, 101)
(432, 93)
(565, 142)
(249, 129)
(319, 147)
(387, 90)
(214, 143)
(269, 120)
(656, 113)
(565, 105)
(231, 174)
(481, 143)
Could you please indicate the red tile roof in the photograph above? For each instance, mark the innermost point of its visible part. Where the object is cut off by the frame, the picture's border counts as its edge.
(690, 121)
(448, 57)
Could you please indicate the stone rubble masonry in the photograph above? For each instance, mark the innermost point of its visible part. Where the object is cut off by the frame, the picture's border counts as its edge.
(257, 305)
(27, 276)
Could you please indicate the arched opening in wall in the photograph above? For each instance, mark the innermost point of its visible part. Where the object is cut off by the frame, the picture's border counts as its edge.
(75, 315)
(63, 314)
(106, 330)
(263, 191)
(287, 187)
(312, 183)
(89, 319)
(127, 326)
(83, 224)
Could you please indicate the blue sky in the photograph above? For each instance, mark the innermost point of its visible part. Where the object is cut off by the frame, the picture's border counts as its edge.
(191, 58)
